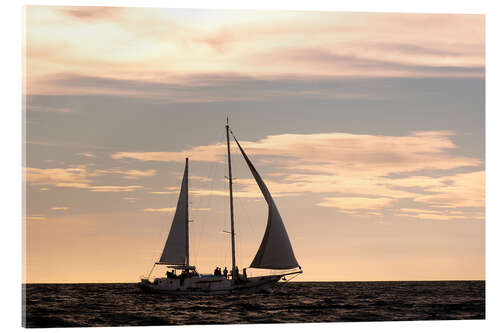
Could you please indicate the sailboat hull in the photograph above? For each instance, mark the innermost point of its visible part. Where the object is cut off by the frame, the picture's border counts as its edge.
(208, 286)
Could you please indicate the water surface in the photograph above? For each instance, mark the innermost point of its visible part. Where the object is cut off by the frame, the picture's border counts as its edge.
(124, 304)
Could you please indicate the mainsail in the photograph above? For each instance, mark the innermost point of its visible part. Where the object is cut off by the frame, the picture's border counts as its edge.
(176, 250)
(275, 251)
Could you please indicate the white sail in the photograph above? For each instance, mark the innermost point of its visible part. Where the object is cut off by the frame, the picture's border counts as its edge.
(275, 251)
(176, 250)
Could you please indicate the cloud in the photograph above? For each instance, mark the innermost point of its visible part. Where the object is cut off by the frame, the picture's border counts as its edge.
(72, 185)
(437, 213)
(60, 208)
(91, 14)
(35, 217)
(200, 178)
(161, 210)
(419, 211)
(461, 190)
(354, 172)
(114, 188)
(236, 87)
(129, 174)
(329, 60)
(172, 209)
(39, 108)
(414, 49)
(236, 194)
(90, 155)
(101, 188)
(355, 203)
(202, 209)
(437, 216)
(336, 152)
(240, 42)
(56, 175)
(202, 153)
(80, 177)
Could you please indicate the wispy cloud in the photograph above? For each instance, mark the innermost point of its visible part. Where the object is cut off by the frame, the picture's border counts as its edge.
(79, 174)
(160, 210)
(39, 108)
(81, 178)
(35, 217)
(236, 194)
(59, 208)
(101, 188)
(439, 214)
(56, 175)
(91, 13)
(87, 154)
(355, 203)
(128, 174)
(114, 188)
(329, 60)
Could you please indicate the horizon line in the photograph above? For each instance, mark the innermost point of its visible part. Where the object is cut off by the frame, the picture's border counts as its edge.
(339, 281)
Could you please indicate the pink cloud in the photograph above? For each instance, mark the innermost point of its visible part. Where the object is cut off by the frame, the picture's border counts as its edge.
(247, 43)
(357, 166)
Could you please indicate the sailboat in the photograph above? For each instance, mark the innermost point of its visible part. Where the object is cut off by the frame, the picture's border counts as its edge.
(275, 252)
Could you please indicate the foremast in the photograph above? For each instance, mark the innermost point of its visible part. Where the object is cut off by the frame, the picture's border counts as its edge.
(233, 256)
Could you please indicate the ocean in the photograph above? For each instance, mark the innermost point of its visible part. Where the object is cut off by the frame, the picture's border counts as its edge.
(124, 304)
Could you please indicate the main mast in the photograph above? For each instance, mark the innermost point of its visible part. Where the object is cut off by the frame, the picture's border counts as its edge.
(233, 263)
(187, 215)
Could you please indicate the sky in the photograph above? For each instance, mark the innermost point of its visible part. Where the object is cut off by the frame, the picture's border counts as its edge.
(368, 130)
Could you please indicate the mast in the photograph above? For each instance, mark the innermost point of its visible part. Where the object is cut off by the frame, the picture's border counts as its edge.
(187, 214)
(233, 259)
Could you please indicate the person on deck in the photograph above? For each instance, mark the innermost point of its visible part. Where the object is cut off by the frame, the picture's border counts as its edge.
(225, 272)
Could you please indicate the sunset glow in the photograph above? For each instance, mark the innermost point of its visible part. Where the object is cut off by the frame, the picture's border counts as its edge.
(368, 130)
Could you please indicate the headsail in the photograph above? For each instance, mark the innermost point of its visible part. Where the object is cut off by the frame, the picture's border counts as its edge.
(176, 250)
(275, 251)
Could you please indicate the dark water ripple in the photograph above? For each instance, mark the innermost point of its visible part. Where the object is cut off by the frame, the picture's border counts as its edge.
(67, 305)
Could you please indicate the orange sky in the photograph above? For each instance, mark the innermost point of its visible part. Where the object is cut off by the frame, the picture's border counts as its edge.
(367, 128)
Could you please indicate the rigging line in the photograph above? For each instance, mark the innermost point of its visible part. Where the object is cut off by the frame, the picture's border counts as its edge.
(240, 225)
(237, 200)
(241, 209)
(248, 220)
(280, 285)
